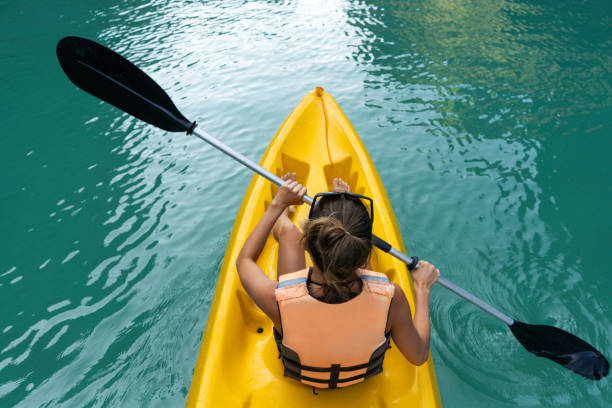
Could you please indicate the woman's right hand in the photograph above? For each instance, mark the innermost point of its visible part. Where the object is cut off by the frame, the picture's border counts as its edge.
(425, 275)
(290, 193)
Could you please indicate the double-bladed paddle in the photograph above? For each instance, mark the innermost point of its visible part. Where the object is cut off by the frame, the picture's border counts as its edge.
(112, 78)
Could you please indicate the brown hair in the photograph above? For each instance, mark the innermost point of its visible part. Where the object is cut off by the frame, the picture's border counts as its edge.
(339, 241)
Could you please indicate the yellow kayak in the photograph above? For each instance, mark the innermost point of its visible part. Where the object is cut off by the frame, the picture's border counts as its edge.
(238, 364)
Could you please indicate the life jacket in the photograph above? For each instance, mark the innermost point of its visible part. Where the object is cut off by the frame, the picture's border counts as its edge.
(333, 345)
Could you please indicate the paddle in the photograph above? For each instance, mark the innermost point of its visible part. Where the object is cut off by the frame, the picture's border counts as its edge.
(112, 78)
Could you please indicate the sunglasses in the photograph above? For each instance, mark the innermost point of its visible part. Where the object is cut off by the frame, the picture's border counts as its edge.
(366, 201)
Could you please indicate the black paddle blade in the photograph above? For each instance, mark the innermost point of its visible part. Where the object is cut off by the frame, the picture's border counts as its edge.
(112, 78)
(563, 348)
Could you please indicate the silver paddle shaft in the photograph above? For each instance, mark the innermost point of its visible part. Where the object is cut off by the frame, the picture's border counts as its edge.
(242, 159)
(461, 292)
(399, 255)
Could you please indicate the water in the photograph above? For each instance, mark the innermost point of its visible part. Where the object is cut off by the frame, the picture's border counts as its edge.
(488, 122)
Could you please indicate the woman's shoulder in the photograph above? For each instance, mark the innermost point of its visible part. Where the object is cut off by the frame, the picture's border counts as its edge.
(398, 291)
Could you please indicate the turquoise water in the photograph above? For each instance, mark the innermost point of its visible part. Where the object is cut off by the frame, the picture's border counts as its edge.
(489, 123)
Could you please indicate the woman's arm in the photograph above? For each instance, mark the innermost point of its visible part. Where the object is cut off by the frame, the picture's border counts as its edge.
(253, 279)
(412, 336)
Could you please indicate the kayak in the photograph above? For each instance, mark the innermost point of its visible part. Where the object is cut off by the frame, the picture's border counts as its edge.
(238, 364)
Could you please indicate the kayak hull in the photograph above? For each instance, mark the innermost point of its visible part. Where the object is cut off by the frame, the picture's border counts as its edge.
(238, 364)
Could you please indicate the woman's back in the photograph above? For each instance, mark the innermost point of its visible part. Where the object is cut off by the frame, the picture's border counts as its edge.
(318, 336)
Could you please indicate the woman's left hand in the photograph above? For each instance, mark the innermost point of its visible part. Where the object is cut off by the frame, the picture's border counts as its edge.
(290, 193)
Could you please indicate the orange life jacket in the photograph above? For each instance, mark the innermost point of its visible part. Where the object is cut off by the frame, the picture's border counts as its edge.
(333, 345)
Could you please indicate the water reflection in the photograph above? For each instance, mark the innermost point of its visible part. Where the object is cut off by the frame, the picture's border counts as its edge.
(480, 99)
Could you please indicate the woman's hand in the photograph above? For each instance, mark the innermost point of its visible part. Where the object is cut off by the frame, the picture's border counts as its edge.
(290, 193)
(425, 275)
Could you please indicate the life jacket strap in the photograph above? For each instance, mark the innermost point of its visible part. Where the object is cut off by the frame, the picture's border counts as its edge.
(294, 369)
(290, 282)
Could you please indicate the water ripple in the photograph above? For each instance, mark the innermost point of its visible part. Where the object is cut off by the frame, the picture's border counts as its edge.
(475, 115)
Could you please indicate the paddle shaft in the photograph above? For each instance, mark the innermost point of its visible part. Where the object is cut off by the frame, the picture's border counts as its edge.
(383, 245)
(242, 159)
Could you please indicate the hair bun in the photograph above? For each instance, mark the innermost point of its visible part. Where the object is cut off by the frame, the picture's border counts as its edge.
(332, 232)
(339, 244)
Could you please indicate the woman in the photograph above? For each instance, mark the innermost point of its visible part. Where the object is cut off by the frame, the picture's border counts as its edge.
(332, 321)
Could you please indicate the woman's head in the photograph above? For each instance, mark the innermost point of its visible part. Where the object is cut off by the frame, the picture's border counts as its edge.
(339, 240)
